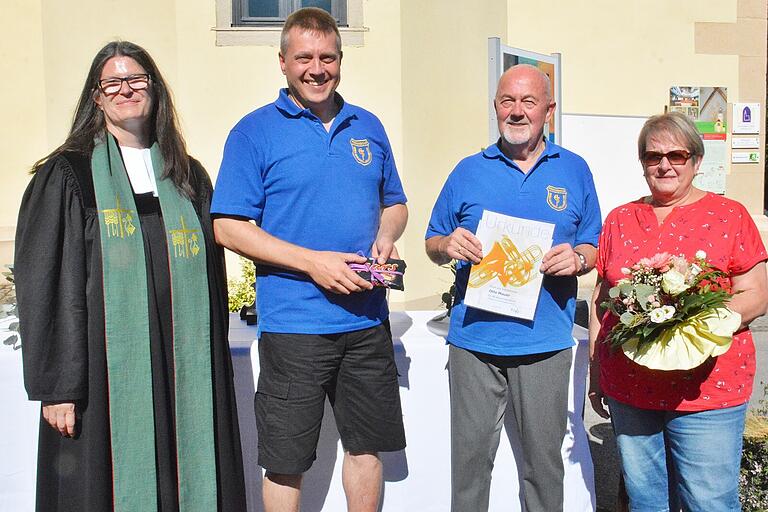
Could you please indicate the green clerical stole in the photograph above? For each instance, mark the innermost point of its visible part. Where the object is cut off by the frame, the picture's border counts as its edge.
(129, 367)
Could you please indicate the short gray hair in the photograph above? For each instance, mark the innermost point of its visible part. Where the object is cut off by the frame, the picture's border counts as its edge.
(312, 19)
(674, 125)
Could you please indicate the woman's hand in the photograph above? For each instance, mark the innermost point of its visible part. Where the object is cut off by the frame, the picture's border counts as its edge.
(61, 416)
(595, 392)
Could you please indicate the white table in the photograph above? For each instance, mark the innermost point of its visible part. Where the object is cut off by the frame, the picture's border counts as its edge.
(18, 433)
(417, 478)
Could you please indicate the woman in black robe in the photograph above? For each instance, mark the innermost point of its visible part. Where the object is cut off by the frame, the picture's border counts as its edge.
(60, 277)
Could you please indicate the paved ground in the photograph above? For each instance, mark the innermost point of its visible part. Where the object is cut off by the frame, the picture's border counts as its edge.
(603, 445)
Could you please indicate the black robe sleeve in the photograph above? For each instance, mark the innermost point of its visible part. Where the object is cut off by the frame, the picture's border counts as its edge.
(50, 269)
(204, 190)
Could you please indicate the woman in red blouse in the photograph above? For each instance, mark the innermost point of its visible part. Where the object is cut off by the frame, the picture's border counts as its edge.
(690, 421)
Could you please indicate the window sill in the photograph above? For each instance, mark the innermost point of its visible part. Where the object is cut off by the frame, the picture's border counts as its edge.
(270, 36)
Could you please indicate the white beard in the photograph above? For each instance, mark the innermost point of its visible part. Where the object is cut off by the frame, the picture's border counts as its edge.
(515, 136)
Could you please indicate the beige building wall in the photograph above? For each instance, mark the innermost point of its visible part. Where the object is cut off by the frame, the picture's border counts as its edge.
(445, 94)
(22, 109)
(422, 68)
(620, 58)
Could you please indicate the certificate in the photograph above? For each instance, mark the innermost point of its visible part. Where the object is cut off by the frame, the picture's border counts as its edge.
(507, 280)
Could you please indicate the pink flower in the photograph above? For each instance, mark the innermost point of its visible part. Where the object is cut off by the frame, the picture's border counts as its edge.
(680, 264)
(659, 261)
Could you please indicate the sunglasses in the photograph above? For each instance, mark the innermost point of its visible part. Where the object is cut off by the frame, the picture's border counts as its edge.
(677, 157)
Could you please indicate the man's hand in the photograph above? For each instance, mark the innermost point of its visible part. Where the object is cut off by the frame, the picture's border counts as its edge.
(326, 268)
(61, 417)
(561, 260)
(383, 249)
(393, 220)
(331, 272)
(460, 245)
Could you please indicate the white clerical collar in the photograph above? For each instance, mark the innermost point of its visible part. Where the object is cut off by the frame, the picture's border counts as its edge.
(138, 164)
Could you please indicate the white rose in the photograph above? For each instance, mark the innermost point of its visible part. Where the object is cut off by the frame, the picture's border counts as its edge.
(673, 282)
(657, 315)
(668, 311)
(701, 255)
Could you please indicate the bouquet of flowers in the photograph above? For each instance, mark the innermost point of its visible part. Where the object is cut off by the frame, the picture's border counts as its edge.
(672, 312)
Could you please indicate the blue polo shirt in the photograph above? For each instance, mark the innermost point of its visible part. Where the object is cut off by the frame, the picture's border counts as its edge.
(319, 189)
(559, 190)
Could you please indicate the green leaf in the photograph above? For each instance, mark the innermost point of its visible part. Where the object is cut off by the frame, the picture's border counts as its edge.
(647, 330)
(642, 292)
(626, 289)
(627, 318)
(614, 292)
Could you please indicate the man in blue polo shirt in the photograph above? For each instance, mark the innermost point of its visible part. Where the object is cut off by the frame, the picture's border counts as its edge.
(317, 177)
(495, 359)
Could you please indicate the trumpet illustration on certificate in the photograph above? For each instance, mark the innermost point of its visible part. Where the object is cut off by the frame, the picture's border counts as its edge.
(507, 280)
(512, 267)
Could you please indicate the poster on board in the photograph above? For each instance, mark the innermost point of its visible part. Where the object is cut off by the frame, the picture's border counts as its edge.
(707, 108)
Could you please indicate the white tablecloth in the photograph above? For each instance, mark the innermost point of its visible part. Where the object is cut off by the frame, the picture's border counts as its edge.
(416, 479)
(18, 433)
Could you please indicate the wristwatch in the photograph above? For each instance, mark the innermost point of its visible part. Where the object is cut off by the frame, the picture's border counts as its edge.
(583, 261)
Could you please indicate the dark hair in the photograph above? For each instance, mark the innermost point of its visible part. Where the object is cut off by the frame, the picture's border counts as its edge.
(312, 19)
(88, 122)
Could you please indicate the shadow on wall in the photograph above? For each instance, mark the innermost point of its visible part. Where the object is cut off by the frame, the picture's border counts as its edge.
(317, 481)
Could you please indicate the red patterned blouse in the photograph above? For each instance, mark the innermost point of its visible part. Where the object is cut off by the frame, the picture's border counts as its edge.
(725, 231)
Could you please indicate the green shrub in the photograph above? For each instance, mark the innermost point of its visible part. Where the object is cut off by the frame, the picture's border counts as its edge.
(8, 309)
(241, 291)
(753, 480)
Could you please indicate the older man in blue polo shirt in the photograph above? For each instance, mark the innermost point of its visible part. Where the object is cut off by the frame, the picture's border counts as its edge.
(317, 176)
(494, 359)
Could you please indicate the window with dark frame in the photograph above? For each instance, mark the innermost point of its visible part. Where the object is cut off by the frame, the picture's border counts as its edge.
(274, 12)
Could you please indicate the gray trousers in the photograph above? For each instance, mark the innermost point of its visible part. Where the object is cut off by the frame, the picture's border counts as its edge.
(536, 388)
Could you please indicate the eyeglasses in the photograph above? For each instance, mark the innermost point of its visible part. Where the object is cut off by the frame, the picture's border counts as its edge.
(112, 85)
(677, 157)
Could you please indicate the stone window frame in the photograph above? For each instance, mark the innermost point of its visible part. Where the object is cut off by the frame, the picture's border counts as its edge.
(268, 34)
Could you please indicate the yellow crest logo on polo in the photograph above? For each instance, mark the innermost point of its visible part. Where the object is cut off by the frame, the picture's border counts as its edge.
(118, 221)
(557, 198)
(361, 150)
(186, 242)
